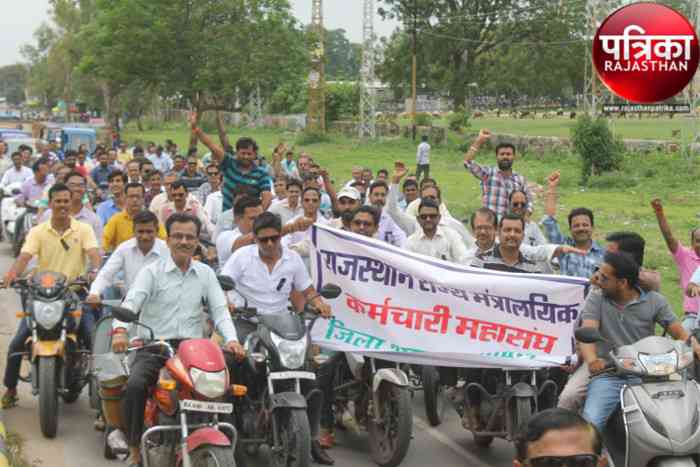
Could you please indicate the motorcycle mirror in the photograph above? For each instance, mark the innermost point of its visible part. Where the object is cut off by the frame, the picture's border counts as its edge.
(226, 283)
(124, 314)
(330, 291)
(588, 335)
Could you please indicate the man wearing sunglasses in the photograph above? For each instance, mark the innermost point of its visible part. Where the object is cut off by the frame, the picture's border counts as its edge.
(518, 203)
(558, 438)
(435, 240)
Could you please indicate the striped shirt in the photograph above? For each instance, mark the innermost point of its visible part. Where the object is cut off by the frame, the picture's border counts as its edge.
(233, 176)
(497, 187)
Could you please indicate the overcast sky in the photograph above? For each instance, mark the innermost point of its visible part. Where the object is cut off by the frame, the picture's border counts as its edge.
(17, 23)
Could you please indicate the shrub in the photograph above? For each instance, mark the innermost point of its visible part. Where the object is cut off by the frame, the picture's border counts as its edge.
(599, 150)
(424, 119)
(309, 137)
(458, 120)
(342, 101)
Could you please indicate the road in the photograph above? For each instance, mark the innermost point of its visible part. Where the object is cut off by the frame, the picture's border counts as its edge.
(78, 444)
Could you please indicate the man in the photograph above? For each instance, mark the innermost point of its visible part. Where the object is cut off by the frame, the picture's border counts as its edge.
(557, 438)
(581, 226)
(5, 162)
(18, 173)
(496, 182)
(120, 227)
(117, 201)
(289, 167)
(227, 220)
(348, 200)
(423, 158)
(33, 188)
(290, 207)
(179, 164)
(388, 230)
(356, 176)
(168, 295)
(213, 205)
(47, 243)
(279, 189)
(435, 240)
(77, 185)
(518, 203)
(624, 314)
(212, 185)
(123, 156)
(146, 167)
(133, 171)
(687, 260)
(101, 173)
(301, 241)
(367, 177)
(192, 177)
(238, 170)
(265, 274)
(161, 199)
(114, 161)
(162, 162)
(409, 190)
(154, 184)
(184, 202)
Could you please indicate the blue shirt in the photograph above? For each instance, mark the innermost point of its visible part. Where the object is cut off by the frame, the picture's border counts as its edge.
(101, 175)
(106, 210)
(572, 264)
(257, 178)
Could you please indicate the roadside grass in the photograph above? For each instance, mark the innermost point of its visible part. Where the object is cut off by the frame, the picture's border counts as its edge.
(620, 201)
(15, 450)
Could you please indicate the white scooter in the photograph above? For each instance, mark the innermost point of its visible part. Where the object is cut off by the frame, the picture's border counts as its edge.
(9, 210)
(658, 423)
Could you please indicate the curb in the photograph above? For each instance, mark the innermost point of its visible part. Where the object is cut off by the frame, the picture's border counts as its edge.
(4, 462)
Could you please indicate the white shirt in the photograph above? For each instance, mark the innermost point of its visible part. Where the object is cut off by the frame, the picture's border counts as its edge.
(301, 241)
(129, 259)
(423, 153)
(13, 175)
(286, 213)
(533, 234)
(389, 232)
(446, 244)
(267, 291)
(213, 206)
(224, 244)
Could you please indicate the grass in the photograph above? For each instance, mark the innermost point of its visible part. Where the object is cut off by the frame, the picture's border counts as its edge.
(15, 451)
(620, 201)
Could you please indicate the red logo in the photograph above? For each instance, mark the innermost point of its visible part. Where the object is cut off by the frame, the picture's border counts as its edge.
(646, 52)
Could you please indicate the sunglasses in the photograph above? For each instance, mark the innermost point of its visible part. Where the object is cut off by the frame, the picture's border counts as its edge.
(270, 239)
(360, 223)
(425, 217)
(519, 205)
(578, 460)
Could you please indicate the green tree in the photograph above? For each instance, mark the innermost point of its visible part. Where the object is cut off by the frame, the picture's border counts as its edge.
(343, 58)
(13, 79)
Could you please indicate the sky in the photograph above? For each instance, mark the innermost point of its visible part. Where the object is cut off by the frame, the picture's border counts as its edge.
(18, 23)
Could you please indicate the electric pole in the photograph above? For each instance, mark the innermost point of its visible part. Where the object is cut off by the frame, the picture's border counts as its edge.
(414, 66)
(316, 118)
(368, 126)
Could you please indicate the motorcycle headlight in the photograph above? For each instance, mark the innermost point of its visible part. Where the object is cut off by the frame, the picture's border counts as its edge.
(210, 385)
(48, 314)
(292, 353)
(661, 364)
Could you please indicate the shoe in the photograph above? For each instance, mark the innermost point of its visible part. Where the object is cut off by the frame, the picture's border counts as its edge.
(9, 400)
(326, 439)
(99, 423)
(319, 455)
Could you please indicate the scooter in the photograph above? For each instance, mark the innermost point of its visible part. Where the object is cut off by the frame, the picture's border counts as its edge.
(9, 210)
(658, 422)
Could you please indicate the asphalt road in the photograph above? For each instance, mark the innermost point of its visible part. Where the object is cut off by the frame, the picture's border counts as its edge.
(78, 444)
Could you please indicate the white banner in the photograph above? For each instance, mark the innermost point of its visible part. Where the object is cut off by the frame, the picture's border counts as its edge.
(407, 307)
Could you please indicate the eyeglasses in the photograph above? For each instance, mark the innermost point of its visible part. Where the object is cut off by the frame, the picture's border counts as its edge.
(578, 460)
(519, 205)
(271, 238)
(212, 174)
(425, 217)
(361, 223)
(181, 236)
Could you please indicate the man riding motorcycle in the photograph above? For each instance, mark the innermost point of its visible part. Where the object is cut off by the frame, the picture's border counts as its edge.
(265, 274)
(169, 293)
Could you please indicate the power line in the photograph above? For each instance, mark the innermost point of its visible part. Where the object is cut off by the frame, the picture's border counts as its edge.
(474, 41)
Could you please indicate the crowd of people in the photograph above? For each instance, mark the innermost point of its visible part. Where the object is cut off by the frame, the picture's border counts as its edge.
(167, 221)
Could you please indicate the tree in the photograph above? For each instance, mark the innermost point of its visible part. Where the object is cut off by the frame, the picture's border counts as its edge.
(343, 58)
(13, 79)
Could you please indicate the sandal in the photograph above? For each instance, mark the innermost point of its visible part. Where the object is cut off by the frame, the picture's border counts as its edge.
(9, 400)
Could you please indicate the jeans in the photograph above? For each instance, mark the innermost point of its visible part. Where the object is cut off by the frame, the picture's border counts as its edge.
(15, 362)
(424, 169)
(573, 395)
(690, 322)
(604, 398)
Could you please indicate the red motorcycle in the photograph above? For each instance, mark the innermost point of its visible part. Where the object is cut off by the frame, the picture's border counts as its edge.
(182, 416)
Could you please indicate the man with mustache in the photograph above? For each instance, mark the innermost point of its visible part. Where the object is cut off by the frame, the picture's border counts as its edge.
(497, 183)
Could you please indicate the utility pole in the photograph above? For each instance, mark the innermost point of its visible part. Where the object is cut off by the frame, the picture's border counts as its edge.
(316, 117)
(414, 66)
(590, 76)
(368, 124)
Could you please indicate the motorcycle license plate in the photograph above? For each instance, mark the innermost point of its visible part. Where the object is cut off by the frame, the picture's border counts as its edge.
(202, 406)
(293, 375)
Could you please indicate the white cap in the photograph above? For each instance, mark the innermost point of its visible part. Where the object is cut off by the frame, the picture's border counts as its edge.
(349, 192)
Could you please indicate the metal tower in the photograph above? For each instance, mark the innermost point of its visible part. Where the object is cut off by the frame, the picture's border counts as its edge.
(316, 117)
(256, 119)
(368, 107)
(591, 83)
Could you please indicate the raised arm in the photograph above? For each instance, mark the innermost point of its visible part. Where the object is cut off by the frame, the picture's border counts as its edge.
(217, 151)
(671, 241)
(405, 221)
(330, 188)
(223, 137)
(484, 136)
(550, 197)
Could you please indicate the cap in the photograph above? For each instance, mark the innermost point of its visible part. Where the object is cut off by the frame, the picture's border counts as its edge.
(349, 192)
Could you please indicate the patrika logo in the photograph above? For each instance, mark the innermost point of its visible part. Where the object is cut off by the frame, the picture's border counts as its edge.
(646, 52)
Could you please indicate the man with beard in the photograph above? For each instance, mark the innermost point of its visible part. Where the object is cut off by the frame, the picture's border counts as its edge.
(518, 203)
(434, 240)
(289, 207)
(388, 231)
(506, 255)
(348, 201)
(497, 183)
(581, 227)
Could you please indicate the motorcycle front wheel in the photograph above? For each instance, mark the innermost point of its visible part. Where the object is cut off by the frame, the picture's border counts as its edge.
(389, 439)
(48, 396)
(433, 395)
(293, 432)
(213, 456)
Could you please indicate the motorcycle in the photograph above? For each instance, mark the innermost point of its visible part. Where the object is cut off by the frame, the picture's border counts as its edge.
(380, 392)
(9, 209)
(23, 225)
(276, 412)
(658, 422)
(58, 365)
(182, 416)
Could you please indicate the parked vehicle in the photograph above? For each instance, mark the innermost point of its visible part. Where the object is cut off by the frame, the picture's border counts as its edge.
(9, 209)
(23, 224)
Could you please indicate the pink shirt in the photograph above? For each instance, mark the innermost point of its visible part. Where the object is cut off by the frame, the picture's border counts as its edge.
(687, 262)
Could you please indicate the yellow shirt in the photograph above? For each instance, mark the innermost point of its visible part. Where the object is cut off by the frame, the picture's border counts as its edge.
(120, 228)
(124, 157)
(69, 256)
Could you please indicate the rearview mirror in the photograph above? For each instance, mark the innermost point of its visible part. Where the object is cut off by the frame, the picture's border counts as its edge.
(226, 283)
(588, 335)
(330, 291)
(124, 314)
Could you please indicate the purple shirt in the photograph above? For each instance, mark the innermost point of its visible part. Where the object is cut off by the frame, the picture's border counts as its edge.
(33, 191)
